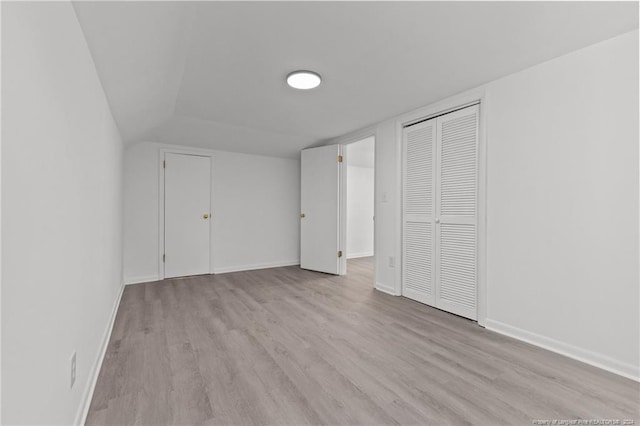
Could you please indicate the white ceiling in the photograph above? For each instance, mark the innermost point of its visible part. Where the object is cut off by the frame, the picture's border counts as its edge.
(211, 74)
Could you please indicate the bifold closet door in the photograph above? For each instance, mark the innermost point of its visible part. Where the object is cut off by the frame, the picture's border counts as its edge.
(456, 212)
(418, 241)
(439, 262)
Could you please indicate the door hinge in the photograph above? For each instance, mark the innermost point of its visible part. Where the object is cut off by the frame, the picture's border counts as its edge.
(164, 164)
(339, 158)
(163, 257)
(340, 253)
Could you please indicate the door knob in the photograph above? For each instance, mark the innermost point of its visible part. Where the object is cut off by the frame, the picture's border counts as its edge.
(438, 220)
(302, 215)
(205, 216)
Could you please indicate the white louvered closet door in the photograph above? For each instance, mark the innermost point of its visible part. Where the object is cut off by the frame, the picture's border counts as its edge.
(456, 212)
(440, 178)
(418, 258)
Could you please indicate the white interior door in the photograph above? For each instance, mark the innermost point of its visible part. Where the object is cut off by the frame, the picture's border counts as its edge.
(187, 215)
(440, 179)
(418, 260)
(319, 218)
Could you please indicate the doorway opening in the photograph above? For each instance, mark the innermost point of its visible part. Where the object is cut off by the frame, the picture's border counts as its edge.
(358, 203)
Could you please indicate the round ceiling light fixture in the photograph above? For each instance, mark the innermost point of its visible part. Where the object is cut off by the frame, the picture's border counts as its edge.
(304, 80)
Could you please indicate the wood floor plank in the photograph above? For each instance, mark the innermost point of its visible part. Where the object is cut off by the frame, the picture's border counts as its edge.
(286, 346)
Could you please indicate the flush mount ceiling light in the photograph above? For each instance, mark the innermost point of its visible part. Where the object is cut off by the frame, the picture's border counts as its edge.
(304, 80)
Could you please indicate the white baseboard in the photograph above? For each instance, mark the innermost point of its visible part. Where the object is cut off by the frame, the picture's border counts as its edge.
(604, 362)
(222, 270)
(87, 395)
(386, 289)
(140, 280)
(357, 255)
(255, 266)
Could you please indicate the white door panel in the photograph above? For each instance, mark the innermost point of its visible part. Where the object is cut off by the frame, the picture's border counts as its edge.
(418, 260)
(457, 185)
(319, 228)
(187, 216)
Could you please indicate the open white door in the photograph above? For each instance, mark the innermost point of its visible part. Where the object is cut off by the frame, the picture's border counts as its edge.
(319, 218)
(187, 204)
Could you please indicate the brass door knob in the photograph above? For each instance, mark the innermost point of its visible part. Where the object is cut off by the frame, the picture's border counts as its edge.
(205, 216)
(302, 215)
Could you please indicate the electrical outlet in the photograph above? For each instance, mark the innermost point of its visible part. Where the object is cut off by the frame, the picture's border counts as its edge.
(392, 262)
(73, 369)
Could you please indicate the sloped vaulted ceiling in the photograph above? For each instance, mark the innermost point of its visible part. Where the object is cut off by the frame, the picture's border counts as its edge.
(211, 74)
(139, 50)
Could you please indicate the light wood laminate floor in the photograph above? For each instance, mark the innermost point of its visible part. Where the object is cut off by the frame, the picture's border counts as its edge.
(289, 346)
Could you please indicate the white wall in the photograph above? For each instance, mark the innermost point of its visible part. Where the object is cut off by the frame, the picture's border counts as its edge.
(256, 203)
(61, 217)
(562, 204)
(360, 190)
(359, 211)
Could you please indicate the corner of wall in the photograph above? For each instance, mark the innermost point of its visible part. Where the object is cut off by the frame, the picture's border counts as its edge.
(386, 289)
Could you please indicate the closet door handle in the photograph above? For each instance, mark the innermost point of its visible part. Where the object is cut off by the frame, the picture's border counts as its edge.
(437, 220)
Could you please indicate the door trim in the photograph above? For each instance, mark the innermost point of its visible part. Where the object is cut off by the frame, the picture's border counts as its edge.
(342, 211)
(449, 105)
(161, 170)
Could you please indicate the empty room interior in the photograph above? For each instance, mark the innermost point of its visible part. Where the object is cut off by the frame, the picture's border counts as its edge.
(322, 213)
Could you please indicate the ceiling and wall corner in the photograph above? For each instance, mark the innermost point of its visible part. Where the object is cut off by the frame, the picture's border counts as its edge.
(139, 50)
(212, 74)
